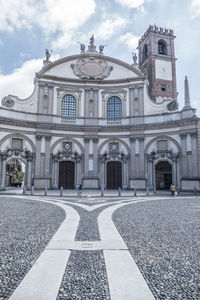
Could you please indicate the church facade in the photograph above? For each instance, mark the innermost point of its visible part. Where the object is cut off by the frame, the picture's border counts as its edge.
(100, 122)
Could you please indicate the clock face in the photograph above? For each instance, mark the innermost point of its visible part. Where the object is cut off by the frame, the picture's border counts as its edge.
(67, 146)
(114, 147)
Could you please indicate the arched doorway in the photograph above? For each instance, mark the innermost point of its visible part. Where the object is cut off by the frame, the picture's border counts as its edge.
(163, 175)
(114, 175)
(66, 174)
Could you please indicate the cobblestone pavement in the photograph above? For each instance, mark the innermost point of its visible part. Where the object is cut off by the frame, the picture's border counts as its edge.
(85, 277)
(25, 229)
(162, 236)
(164, 240)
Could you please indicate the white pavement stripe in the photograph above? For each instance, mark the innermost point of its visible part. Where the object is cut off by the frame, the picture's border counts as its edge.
(124, 278)
(43, 280)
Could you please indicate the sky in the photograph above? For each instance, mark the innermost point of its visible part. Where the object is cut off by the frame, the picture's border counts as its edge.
(28, 27)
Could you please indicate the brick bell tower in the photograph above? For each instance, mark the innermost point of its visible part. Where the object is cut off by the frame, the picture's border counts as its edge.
(157, 61)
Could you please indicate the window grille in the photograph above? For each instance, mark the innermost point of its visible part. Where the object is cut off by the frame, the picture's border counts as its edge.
(114, 107)
(68, 106)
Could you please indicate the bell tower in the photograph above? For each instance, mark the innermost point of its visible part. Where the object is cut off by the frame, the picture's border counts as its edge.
(157, 61)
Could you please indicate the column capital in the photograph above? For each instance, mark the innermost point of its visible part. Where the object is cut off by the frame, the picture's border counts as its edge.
(193, 134)
(48, 137)
(183, 135)
(132, 139)
(86, 140)
(95, 140)
(38, 137)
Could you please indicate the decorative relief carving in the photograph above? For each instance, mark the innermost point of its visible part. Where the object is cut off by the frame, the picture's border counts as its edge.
(115, 91)
(91, 68)
(26, 154)
(65, 154)
(114, 154)
(162, 155)
(8, 102)
(172, 105)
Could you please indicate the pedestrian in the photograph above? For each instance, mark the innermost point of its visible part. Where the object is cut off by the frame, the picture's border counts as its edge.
(173, 189)
(80, 190)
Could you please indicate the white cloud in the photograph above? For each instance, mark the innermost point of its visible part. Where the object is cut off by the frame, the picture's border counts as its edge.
(130, 40)
(63, 41)
(49, 15)
(195, 8)
(110, 27)
(131, 3)
(20, 81)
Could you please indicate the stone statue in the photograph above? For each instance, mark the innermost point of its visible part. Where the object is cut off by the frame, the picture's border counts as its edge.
(101, 47)
(82, 47)
(134, 55)
(48, 55)
(92, 40)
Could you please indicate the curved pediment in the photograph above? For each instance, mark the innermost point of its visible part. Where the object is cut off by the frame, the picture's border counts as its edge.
(90, 67)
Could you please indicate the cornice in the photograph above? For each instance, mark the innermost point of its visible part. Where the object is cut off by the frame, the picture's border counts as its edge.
(98, 128)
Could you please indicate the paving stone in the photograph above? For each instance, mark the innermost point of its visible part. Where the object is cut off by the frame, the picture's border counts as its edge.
(85, 277)
(25, 228)
(164, 240)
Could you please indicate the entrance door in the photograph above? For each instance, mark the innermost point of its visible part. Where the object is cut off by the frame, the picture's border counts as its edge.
(66, 174)
(163, 172)
(114, 175)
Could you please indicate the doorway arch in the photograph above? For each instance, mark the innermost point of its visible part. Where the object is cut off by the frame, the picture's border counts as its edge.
(163, 175)
(66, 174)
(114, 175)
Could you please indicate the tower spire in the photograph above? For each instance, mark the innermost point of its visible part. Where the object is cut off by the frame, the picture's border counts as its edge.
(187, 95)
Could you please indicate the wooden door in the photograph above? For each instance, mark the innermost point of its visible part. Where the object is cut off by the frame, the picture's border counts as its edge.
(114, 175)
(66, 174)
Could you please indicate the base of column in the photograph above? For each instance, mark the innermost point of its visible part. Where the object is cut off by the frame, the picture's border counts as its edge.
(90, 183)
(138, 184)
(41, 183)
(2, 188)
(190, 184)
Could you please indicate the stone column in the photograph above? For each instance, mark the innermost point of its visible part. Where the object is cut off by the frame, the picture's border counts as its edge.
(150, 173)
(38, 156)
(184, 170)
(95, 147)
(103, 172)
(86, 141)
(194, 155)
(47, 156)
(29, 174)
(132, 160)
(124, 174)
(141, 152)
(78, 172)
(3, 173)
(174, 172)
(55, 174)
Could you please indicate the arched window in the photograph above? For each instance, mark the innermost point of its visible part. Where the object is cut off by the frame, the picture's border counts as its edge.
(68, 106)
(114, 107)
(145, 52)
(162, 47)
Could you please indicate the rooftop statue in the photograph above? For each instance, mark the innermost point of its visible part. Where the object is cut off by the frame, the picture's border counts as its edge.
(92, 40)
(82, 47)
(48, 55)
(134, 55)
(101, 47)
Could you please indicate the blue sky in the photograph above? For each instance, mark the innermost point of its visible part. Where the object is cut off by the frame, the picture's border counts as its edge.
(27, 27)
